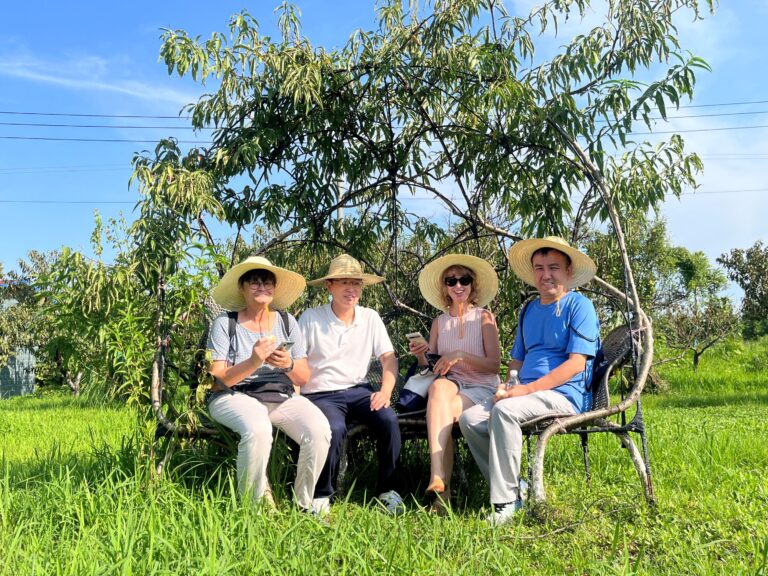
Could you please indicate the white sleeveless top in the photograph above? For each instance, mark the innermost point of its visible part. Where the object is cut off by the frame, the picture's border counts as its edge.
(448, 340)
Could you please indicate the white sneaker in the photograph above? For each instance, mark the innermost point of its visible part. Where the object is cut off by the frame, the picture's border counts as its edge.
(392, 502)
(504, 513)
(321, 506)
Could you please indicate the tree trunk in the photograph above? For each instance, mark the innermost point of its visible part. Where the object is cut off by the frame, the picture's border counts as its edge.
(74, 385)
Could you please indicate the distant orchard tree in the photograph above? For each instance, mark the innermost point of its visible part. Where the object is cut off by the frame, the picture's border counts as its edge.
(749, 269)
(696, 327)
(680, 289)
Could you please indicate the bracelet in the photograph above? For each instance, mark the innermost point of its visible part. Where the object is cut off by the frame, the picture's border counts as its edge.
(290, 367)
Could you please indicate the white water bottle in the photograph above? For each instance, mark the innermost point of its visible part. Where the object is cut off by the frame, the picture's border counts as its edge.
(513, 380)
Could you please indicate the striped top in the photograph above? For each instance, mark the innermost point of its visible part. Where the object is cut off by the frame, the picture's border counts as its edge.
(472, 343)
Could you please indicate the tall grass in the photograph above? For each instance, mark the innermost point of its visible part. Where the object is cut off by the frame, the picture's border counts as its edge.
(77, 496)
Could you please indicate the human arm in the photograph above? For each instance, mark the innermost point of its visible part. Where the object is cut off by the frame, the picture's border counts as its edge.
(489, 363)
(231, 375)
(502, 387)
(419, 350)
(299, 375)
(381, 398)
(575, 364)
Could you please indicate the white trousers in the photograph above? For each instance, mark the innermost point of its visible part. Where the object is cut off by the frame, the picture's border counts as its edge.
(493, 433)
(297, 417)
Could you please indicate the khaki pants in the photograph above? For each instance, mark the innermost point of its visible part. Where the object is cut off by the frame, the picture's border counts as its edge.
(492, 431)
(297, 417)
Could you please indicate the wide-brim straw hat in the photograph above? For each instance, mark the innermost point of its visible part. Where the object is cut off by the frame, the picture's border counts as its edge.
(431, 279)
(345, 266)
(289, 286)
(584, 268)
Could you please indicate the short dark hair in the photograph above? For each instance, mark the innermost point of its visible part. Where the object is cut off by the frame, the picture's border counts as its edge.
(546, 250)
(257, 274)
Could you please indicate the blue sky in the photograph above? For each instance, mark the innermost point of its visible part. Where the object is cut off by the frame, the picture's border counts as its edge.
(92, 57)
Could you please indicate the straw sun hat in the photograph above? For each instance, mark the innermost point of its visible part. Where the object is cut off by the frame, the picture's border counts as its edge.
(289, 286)
(520, 254)
(431, 279)
(345, 266)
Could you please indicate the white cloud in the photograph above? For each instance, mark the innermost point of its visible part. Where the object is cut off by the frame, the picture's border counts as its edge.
(88, 73)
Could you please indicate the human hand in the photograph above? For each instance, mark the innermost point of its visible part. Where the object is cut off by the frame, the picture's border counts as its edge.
(262, 349)
(446, 362)
(418, 347)
(279, 358)
(379, 400)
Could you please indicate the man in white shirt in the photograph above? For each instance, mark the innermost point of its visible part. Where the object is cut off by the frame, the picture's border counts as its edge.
(341, 337)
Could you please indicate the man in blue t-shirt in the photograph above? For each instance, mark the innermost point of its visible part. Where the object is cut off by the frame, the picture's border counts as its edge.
(558, 335)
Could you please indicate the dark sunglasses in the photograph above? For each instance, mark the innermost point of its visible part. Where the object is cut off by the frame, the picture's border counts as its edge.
(451, 280)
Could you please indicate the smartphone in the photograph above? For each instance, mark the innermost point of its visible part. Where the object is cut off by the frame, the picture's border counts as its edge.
(416, 338)
(287, 345)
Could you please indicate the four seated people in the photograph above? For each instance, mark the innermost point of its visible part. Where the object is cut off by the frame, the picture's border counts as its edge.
(258, 359)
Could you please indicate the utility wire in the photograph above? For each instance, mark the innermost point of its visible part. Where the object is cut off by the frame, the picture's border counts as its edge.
(724, 128)
(417, 198)
(179, 117)
(122, 140)
(75, 115)
(66, 202)
(116, 126)
(208, 143)
(139, 126)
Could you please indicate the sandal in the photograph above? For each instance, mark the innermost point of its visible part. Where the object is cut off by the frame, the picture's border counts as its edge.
(441, 503)
(441, 496)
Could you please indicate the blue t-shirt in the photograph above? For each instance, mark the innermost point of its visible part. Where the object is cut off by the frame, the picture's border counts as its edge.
(549, 339)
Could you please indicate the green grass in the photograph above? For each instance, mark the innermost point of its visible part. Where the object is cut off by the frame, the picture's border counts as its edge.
(77, 497)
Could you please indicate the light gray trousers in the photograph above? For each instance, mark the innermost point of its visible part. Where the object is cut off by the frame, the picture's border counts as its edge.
(492, 431)
(297, 417)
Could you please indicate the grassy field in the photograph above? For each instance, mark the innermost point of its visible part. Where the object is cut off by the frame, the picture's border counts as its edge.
(77, 497)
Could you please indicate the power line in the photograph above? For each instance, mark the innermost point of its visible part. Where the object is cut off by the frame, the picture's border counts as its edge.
(60, 169)
(698, 130)
(66, 202)
(208, 143)
(145, 127)
(116, 126)
(601, 121)
(186, 117)
(79, 115)
(120, 140)
(411, 198)
(743, 190)
(724, 104)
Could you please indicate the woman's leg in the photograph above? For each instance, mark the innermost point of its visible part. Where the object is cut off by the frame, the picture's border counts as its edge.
(306, 425)
(444, 406)
(249, 418)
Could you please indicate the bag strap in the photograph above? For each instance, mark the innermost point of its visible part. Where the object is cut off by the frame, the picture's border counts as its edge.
(522, 318)
(232, 329)
(286, 325)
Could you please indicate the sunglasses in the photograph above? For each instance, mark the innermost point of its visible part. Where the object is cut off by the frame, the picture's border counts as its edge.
(451, 281)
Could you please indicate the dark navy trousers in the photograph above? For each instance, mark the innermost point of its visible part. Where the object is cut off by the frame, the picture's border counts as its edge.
(353, 404)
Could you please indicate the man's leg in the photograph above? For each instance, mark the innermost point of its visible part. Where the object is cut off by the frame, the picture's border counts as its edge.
(506, 438)
(306, 425)
(474, 427)
(386, 430)
(334, 406)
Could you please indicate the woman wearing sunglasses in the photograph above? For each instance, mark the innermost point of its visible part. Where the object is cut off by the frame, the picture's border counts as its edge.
(467, 339)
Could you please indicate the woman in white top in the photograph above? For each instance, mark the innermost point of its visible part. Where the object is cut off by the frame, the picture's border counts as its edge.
(467, 339)
(258, 356)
